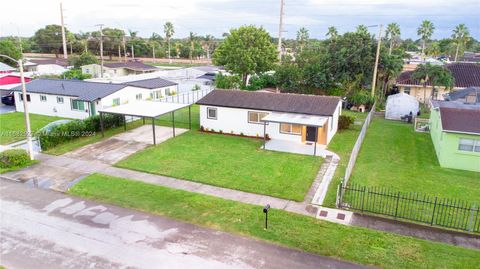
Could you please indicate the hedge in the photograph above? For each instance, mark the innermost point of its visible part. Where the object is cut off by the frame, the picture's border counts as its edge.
(345, 121)
(78, 128)
(14, 158)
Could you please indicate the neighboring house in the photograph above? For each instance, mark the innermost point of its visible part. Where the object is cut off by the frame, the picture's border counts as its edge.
(399, 105)
(112, 70)
(9, 81)
(469, 95)
(79, 99)
(158, 88)
(39, 67)
(465, 75)
(289, 117)
(5, 68)
(455, 132)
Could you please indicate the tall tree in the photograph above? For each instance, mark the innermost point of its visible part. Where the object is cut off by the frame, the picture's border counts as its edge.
(436, 75)
(390, 67)
(169, 31)
(208, 42)
(362, 29)
(302, 38)
(112, 41)
(49, 39)
(9, 47)
(461, 35)
(425, 31)
(246, 51)
(192, 38)
(392, 33)
(332, 32)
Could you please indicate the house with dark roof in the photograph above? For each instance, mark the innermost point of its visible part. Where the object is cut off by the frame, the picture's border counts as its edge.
(51, 66)
(465, 75)
(111, 70)
(455, 133)
(285, 119)
(469, 95)
(81, 99)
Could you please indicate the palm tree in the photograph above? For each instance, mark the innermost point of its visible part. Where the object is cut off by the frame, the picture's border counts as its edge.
(332, 32)
(362, 29)
(192, 39)
(461, 35)
(425, 31)
(433, 74)
(169, 31)
(392, 33)
(302, 37)
(207, 44)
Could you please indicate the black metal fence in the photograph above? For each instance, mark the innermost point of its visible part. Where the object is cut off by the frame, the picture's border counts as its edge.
(444, 212)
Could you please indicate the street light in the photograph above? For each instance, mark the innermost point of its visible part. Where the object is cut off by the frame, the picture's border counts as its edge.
(25, 107)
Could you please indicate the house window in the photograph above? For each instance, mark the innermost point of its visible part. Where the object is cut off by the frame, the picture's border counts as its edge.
(156, 95)
(78, 105)
(59, 99)
(211, 113)
(87, 71)
(21, 97)
(138, 96)
(43, 98)
(435, 93)
(167, 91)
(286, 128)
(116, 102)
(406, 90)
(470, 145)
(256, 117)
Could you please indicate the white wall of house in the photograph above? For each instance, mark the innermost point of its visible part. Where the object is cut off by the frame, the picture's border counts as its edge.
(51, 107)
(236, 120)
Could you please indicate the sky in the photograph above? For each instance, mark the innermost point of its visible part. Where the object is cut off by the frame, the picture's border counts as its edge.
(218, 16)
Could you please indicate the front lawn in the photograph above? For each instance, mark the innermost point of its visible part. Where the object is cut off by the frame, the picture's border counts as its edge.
(13, 125)
(359, 245)
(230, 162)
(394, 156)
(14, 168)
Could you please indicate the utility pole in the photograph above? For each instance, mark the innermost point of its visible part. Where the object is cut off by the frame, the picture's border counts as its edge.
(280, 30)
(101, 49)
(374, 79)
(64, 38)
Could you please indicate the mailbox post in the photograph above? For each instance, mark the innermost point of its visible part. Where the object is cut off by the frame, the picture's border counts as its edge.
(265, 210)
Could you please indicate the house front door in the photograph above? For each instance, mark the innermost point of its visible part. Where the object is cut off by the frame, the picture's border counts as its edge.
(311, 133)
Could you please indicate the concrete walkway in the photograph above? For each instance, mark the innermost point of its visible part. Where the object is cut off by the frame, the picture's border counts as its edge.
(45, 229)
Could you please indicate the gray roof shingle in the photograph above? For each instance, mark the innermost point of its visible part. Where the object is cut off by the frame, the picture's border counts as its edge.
(83, 90)
(152, 83)
(132, 65)
(460, 120)
(279, 102)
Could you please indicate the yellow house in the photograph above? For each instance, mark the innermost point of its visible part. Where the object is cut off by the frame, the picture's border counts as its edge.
(465, 75)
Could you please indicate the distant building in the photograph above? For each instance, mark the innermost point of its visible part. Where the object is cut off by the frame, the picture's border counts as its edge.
(465, 75)
(5, 68)
(112, 70)
(39, 67)
(455, 132)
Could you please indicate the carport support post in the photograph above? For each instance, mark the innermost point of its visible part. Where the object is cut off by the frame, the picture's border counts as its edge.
(315, 146)
(173, 122)
(264, 134)
(124, 123)
(153, 128)
(101, 123)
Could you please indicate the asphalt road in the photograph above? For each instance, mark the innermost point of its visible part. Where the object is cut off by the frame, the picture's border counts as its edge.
(45, 229)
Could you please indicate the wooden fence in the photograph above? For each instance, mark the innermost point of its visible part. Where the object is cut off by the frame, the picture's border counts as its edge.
(418, 207)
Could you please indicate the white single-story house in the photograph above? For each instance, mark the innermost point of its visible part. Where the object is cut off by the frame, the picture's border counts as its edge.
(41, 67)
(294, 118)
(112, 70)
(399, 105)
(80, 99)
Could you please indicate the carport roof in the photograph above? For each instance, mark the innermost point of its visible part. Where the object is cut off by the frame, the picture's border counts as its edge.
(148, 109)
(291, 118)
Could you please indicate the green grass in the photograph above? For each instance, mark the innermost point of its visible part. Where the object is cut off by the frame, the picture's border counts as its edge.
(12, 125)
(230, 162)
(342, 144)
(394, 156)
(10, 169)
(354, 244)
(181, 121)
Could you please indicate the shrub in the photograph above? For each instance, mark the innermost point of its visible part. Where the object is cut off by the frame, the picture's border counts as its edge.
(202, 128)
(77, 128)
(344, 122)
(14, 157)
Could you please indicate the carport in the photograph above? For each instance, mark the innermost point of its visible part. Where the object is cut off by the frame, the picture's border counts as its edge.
(146, 109)
(309, 121)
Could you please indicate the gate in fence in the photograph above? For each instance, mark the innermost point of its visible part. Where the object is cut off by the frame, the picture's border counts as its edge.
(444, 212)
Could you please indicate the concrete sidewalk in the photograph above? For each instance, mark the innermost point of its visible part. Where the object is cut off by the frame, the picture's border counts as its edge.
(45, 229)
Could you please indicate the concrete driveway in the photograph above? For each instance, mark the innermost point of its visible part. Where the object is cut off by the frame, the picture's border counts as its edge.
(6, 109)
(45, 229)
(120, 146)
